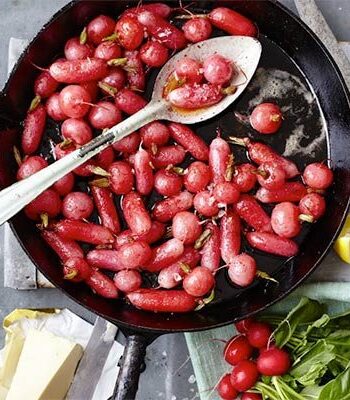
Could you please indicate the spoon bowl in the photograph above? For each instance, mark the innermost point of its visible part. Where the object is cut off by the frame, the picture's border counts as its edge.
(243, 51)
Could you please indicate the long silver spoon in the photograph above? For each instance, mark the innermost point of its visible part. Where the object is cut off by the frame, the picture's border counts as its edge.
(244, 52)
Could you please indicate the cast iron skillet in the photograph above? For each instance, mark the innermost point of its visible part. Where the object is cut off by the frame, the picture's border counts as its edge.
(279, 30)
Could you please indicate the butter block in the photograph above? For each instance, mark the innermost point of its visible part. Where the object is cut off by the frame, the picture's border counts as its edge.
(45, 368)
(12, 352)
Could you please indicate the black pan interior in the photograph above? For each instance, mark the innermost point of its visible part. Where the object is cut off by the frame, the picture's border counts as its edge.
(295, 71)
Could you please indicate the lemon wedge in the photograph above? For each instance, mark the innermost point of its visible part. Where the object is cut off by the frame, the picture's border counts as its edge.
(342, 244)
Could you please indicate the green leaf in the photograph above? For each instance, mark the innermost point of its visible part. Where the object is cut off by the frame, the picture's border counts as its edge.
(309, 368)
(311, 392)
(306, 311)
(338, 388)
(340, 338)
(267, 391)
(311, 334)
(284, 390)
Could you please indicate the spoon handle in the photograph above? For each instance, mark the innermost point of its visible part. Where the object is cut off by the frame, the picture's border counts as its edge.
(18, 195)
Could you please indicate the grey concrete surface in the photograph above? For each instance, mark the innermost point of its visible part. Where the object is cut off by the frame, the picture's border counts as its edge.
(161, 379)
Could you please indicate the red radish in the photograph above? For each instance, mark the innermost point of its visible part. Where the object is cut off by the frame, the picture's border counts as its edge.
(318, 176)
(30, 166)
(271, 175)
(135, 71)
(259, 334)
(83, 232)
(53, 108)
(232, 22)
(211, 250)
(48, 202)
(161, 9)
(99, 28)
(186, 227)
(134, 254)
(290, 191)
(129, 144)
(106, 209)
(170, 276)
(76, 269)
(129, 102)
(64, 248)
(243, 325)
(226, 193)
(230, 236)
(166, 209)
(197, 177)
(251, 396)
(191, 142)
(75, 50)
(199, 282)
(189, 70)
(245, 177)
(168, 155)
(219, 159)
(135, 214)
(197, 29)
(162, 30)
(105, 158)
(271, 243)
(129, 32)
(176, 301)
(266, 118)
(156, 233)
(167, 182)
(205, 203)
(104, 115)
(242, 270)
(113, 81)
(92, 88)
(34, 126)
(102, 285)
(253, 214)
(313, 204)
(260, 153)
(273, 362)
(64, 185)
(285, 220)
(108, 51)
(73, 101)
(154, 54)
(195, 96)
(165, 254)
(105, 259)
(237, 349)
(79, 71)
(77, 205)
(128, 281)
(217, 69)
(144, 173)
(244, 375)
(45, 85)
(225, 389)
(154, 134)
(121, 177)
(76, 130)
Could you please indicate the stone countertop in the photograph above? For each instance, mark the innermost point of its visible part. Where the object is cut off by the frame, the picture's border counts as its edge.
(161, 379)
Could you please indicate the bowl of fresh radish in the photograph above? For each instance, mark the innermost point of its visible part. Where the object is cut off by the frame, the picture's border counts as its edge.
(177, 226)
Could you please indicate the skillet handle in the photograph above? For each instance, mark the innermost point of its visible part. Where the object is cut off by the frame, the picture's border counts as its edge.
(130, 369)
